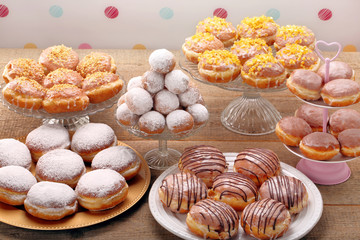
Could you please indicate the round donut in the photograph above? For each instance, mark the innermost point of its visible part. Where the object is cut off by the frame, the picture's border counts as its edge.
(135, 82)
(101, 189)
(246, 48)
(343, 119)
(14, 152)
(91, 138)
(58, 56)
(152, 122)
(349, 140)
(162, 61)
(190, 97)
(63, 76)
(290, 130)
(179, 121)
(337, 70)
(125, 116)
(153, 81)
(199, 112)
(176, 81)
(51, 201)
(291, 34)
(121, 159)
(305, 84)
(213, 219)
(96, 62)
(180, 191)
(15, 182)
(235, 189)
(341, 92)
(23, 67)
(319, 146)
(139, 101)
(259, 164)
(312, 115)
(165, 102)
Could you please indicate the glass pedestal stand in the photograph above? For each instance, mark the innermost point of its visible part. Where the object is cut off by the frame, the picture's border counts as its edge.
(163, 157)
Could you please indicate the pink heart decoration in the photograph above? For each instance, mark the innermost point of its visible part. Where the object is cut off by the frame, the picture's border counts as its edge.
(327, 45)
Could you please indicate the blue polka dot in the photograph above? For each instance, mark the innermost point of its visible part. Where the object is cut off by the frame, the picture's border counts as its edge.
(166, 13)
(56, 11)
(274, 13)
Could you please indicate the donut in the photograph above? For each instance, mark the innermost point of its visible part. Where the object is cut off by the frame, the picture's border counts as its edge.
(349, 140)
(220, 28)
(265, 219)
(121, 159)
(15, 182)
(14, 152)
(139, 101)
(219, 66)
(343, 119)
(199, 43)
(65, 98)
(63, 76)
(165, 102)
(291, 34)
(91, 138)
(60, 165)
(288, 190)
(23, 67)
(341, 92)
(135, 82)
(263, 71)
(290, 130)
(58, 56)
(153, 81)
(199, 112)
(125, 116)
(259, 164)
(258, 27)
(96, 62)
(204, 161)
(235, 189)
(312, 115)
(190, 97)
(180, 191)
(305, 84)
(101, 86)
(162, 61)
(179, 121)
(51, 201)
(212, 219)
(337, 70)
(152, 122)
(176, 81)
(246, 48)
(101, 189)
(24, 93)
(45, 138)
(319, 146)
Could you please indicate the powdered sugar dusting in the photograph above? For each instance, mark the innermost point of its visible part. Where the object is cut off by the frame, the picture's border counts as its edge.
(189, 97)
(153, 82)
(162, 60)
(152, 121)
(177, 118)
(14, 152)
(139, 101)
(199, 113)
(135, 82)
(166, 102)
(16, 178)
(176, 81)
(125, 116)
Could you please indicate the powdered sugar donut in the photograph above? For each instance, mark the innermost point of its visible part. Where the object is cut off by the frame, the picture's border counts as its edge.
(125, 116)
(162, 61)
(153, 82)
(15, 182)
(199, 113)
(176, 81)
(14, 152)
(139, 101)
(166, 102)
(190, 96)
(179, 121)
(135, 82)
(152, 122)
(119, 158)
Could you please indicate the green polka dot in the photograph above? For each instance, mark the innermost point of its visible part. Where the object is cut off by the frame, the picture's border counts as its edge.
(56, 11)
(166, 13)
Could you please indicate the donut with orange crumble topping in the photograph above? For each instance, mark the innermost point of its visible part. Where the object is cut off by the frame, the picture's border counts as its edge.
(23, 67)
(220, 28)
(63, 76)
(247, 48)
(290, 34)
(58, 56)
(263, 71)
(96, 62)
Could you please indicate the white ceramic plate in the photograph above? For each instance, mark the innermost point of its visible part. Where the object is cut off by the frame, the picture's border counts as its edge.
(299, 227)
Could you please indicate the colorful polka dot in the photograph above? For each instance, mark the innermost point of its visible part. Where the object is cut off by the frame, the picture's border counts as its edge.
(30, 45)
(4, 11)
(274, 13)
(166, 13)
(111, 12)
(325, 14)
(349, 48)
(84, 46)
(220, 12)
(56, 11)
(139, 46)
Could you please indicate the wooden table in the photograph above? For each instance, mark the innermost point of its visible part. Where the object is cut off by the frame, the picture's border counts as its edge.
(341, 214)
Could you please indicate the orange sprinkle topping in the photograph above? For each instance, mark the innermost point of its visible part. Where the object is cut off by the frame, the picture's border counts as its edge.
(217, 57)
(290, 31)
(215, 24)
(260, 62)
(257, 22)
(200, 38)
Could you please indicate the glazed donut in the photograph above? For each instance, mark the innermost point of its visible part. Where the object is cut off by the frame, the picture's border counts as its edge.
(125, 116)
(212, 219)
(343, 119)
(153, 81)
(15, 182)
(199, 43)
(101, 86)
(139, 101)
(65, 98)
(219, 66)
(24, 93)
(312, 115)
(96, 62)
(290, 130)
(63, 76)
(220, 28)
(199, 112)
(190, 97)
(162, 61)
(121, 159)
(263, 71)
(180, 191)
(258, 27)
(165, 102)
(101, 189)
(60, 165)
(135, 82)
(235, 189)
(58, 56)
(23, 67)
(259, 164)
(152, 122)
(179, 121)
(204, 161)
(341, 92)
(319, 146)
(176, 81)
(45, 138)
(288, 190)
(265, 219)
(246, 48)
(51, 201)
(291, 34)
(305, 84)
(14, 152)
(337, 70)
(350, 142)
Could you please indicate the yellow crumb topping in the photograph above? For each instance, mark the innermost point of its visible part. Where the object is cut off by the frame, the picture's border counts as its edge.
(261, 61)
(246, 43)
(257, 22)
(60, 53)
(291, 31)
(217, 57)
(200, 37)
(215, 24)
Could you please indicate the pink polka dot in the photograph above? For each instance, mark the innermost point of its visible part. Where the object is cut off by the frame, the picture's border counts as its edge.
(4, 11)
(220, 12)
(85, 46)
(111, 12)
(325, 14)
